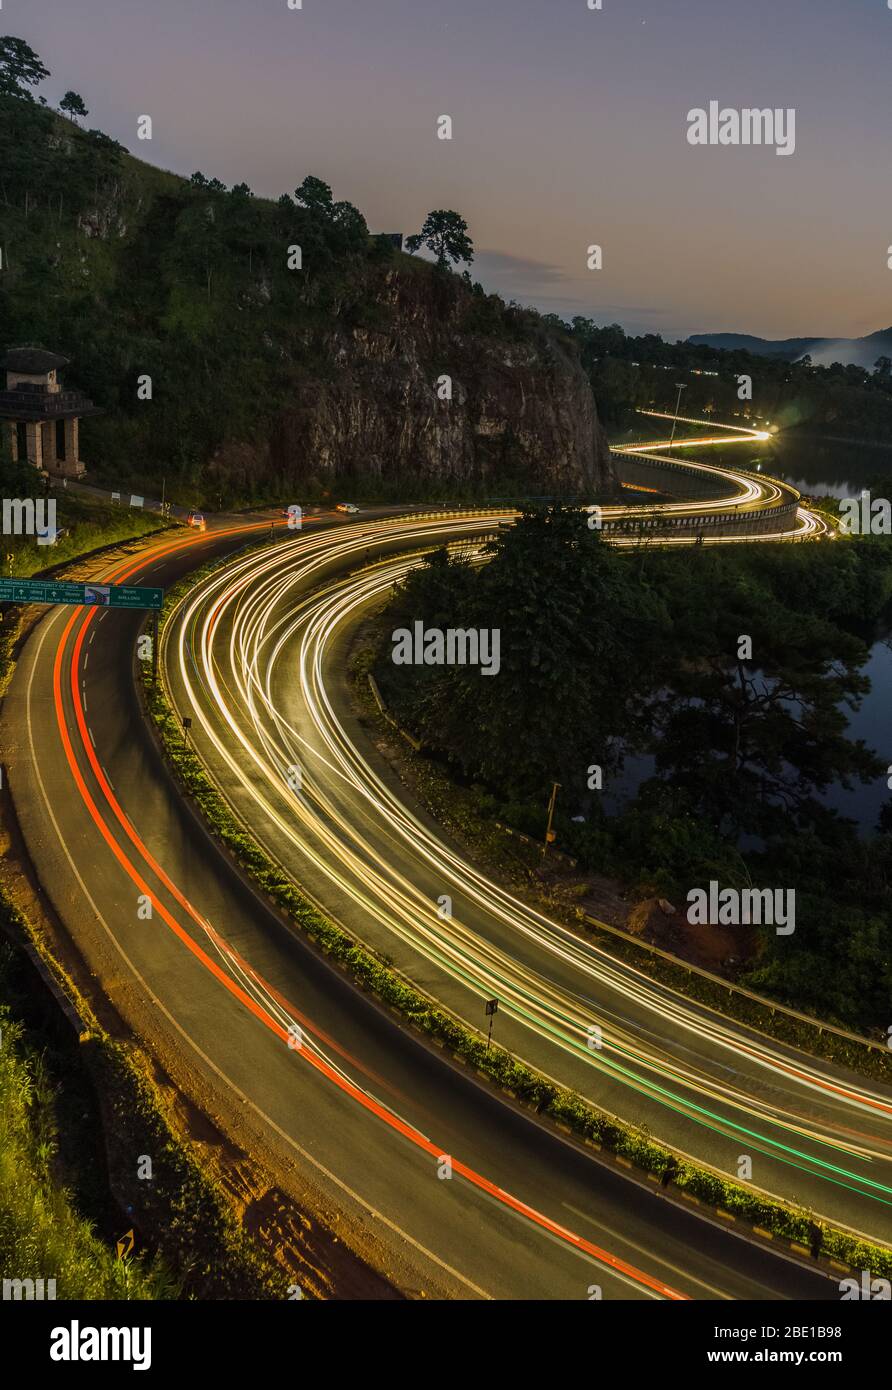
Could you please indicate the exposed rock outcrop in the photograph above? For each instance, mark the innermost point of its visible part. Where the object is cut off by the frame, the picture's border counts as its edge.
(521, 407)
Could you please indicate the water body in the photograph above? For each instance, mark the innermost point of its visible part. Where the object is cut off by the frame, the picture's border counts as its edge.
(817, 467)
(862, 803)
(822, 467)
(871, 723)
(833, 469)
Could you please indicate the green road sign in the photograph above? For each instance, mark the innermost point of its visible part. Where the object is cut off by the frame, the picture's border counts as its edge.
(95, 595)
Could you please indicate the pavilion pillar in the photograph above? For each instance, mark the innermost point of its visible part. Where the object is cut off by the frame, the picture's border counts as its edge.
(34, 438)
(72, 442)
(13, 431)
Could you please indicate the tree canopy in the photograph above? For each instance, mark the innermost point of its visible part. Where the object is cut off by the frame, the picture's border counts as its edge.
(20, 68)
(73, 105)
(445, 234)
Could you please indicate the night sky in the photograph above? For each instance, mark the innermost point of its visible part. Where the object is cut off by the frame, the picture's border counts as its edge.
(569, 129)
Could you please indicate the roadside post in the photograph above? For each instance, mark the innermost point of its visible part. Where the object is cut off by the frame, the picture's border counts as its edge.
(155, 646)
(550, 835)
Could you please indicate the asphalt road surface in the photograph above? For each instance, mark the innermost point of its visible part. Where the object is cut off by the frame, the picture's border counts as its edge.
(359, 1102)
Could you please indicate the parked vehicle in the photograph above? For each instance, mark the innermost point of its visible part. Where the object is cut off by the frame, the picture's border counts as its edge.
(51, 535)
(197, 520)
(346, 507)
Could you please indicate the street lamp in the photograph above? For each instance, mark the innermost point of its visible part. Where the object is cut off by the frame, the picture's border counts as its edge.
(682, 386)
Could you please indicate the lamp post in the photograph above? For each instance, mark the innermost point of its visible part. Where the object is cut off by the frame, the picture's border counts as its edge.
(682, 386)
(549, 833)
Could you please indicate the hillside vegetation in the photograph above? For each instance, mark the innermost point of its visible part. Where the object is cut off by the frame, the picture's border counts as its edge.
(629, 373)
(285, 346)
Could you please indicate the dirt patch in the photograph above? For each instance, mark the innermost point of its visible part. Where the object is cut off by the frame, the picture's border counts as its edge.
(722, 950)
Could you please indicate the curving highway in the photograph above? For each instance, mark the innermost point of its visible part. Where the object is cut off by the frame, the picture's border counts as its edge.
(256, 656)
(367, 1113)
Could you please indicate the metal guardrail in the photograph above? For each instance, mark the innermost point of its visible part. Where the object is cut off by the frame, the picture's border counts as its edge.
(410, 738)
(732, 988)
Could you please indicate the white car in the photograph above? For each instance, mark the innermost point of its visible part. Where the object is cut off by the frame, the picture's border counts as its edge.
(346, 507)
(51, 535)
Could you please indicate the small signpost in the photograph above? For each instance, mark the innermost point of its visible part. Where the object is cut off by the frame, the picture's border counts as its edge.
(492, 1008)
(124, 1246)
(187, 725)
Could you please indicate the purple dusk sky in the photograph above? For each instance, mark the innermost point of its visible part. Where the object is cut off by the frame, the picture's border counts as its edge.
(570, 128)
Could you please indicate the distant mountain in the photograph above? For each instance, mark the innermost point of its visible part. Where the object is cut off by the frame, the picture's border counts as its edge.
(862, 352)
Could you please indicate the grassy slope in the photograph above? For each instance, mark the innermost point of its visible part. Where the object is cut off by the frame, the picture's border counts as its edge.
(42, 1235)
(90, 525)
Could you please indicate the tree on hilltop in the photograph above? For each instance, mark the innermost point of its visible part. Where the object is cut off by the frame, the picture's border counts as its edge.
(347, 221)
(20, 68)
(316, 196)
(73, 106)
(445, 234)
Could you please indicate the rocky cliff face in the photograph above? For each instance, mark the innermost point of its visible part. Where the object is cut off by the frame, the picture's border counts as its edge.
(521, 412)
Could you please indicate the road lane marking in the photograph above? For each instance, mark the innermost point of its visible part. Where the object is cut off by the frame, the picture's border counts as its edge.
(534, 1216)
(245, 1099)
(619, 1235)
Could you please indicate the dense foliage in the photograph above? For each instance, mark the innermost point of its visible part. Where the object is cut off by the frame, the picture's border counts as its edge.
(606, 654)
(628, 373)
(138, 275)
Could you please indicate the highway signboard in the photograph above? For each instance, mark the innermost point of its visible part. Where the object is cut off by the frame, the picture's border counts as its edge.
(95, 595)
